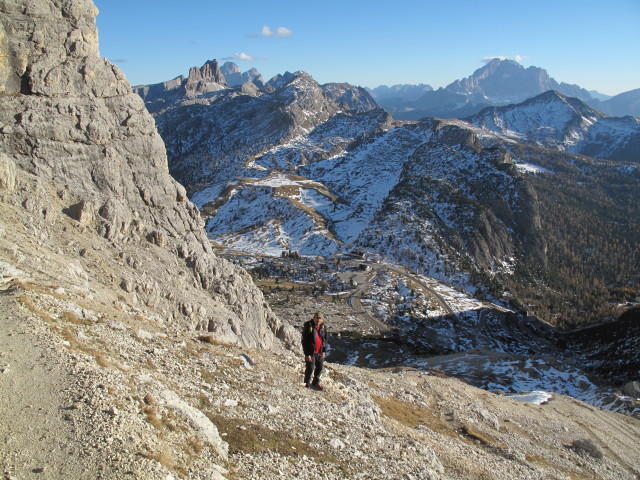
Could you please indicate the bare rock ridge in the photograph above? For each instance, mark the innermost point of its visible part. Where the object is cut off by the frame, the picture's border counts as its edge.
(76, 141)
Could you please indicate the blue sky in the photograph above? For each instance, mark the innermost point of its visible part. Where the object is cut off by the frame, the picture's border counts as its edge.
(594, 44)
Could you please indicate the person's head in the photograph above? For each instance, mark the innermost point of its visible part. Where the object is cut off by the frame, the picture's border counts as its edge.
(317, 319)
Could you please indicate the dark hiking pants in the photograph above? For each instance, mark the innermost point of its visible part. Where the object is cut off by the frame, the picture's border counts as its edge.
(314, 367)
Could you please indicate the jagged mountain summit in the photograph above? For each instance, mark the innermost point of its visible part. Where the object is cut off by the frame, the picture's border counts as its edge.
(507, 81)
(232, 126)
(201, 80)
(560, 122)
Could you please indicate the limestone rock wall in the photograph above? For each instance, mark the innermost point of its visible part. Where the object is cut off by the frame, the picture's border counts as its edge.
(76, 143)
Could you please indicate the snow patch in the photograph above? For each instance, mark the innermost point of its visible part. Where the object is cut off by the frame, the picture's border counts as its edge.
(531, 168)
(538, 397)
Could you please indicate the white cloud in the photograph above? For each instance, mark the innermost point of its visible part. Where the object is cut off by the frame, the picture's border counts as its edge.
(244, 57)
(266, 32)
(283, 32)
(517, 58)
(488, 59)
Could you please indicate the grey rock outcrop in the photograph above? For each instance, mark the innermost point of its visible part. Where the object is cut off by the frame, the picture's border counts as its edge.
(77, 144)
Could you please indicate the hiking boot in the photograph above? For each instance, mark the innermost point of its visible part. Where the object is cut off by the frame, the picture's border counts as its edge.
(307, 385)
(317, 386)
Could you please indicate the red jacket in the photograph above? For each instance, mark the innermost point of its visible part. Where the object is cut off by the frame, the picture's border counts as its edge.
(309, 338)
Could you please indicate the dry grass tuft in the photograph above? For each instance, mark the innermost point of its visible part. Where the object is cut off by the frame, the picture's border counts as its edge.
(210, 339)
(251, 438)
(411, 415)
(193, 445)
(543, 462)
(101, 358)
(73, 318)
(476, 435)
(164, 457)
(153, 417)
(26, 301)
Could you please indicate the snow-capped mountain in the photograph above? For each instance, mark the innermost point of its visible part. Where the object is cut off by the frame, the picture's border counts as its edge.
(556, 121)
(455, 200)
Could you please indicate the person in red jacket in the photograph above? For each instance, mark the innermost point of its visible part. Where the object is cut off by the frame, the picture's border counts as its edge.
(314, 345)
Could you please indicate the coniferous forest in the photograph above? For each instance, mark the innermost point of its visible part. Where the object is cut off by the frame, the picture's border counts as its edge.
(590, 216)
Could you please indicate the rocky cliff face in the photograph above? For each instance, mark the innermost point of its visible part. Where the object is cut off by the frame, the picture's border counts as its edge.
(80, 152)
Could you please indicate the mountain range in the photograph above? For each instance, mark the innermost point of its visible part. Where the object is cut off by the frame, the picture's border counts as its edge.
(500, 82)
(319, 169)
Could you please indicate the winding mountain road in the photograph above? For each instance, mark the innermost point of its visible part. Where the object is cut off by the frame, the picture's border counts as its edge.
(363, 284)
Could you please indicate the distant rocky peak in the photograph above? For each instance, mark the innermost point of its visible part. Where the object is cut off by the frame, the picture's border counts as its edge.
(504, 77)
(230, 68)
(235, 78)
(232, 74)
(402, 91)
(280, 80)
(575, 105)
(210, 71)
(253, 76)
(506, 81)
(498, 64)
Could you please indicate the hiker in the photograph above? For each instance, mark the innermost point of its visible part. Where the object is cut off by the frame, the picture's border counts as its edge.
(314, 345)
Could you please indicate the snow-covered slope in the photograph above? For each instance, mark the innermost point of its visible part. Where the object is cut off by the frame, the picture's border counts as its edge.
(319, 169)
(556, 121)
